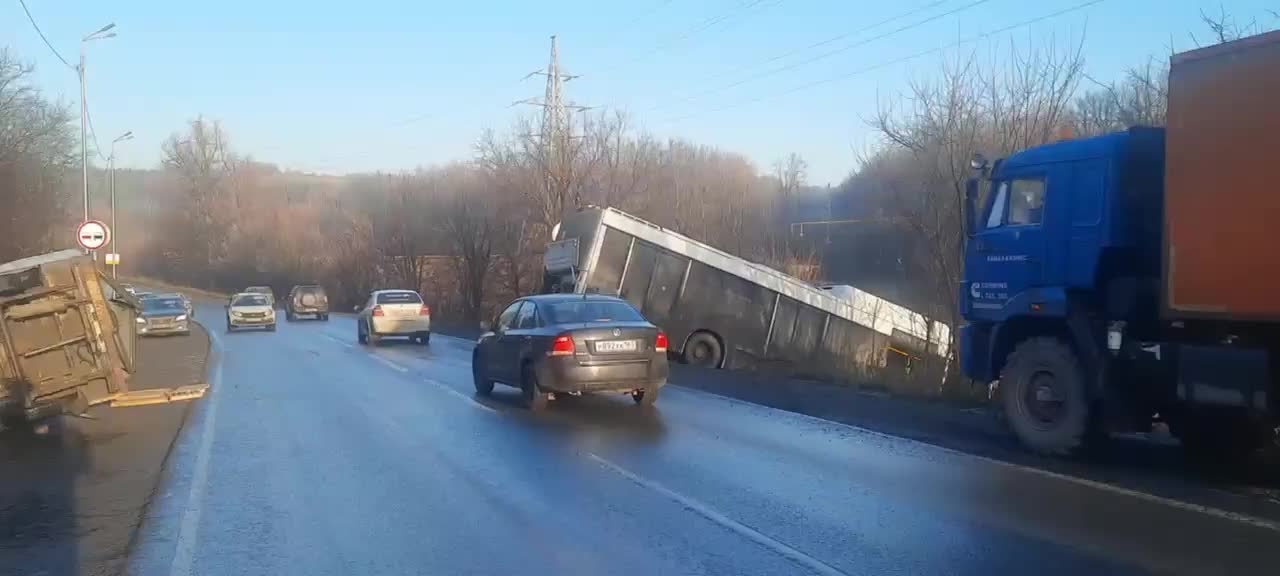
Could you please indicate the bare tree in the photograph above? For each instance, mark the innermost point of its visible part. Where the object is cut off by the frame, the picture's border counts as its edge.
(36, 154)
(469, 223)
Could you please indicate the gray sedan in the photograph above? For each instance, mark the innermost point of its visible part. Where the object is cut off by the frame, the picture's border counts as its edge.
(569, 344)
(164, 315)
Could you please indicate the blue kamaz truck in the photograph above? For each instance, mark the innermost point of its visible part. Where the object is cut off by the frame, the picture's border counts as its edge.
(1132, 278)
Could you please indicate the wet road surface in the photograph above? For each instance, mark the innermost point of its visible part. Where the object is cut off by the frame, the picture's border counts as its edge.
(72, 498)
(315, 455)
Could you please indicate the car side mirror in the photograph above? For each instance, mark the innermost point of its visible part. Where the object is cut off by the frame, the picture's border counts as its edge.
(485, 325)
(355, 308)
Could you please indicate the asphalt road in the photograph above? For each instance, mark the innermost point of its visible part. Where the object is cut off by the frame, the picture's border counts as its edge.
(315, 455)
(72, 498)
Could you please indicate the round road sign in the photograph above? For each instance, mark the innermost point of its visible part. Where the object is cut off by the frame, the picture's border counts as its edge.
(93, 235)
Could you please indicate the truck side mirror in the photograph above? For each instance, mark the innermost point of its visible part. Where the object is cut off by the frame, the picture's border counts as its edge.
(485, 325)
(971, 207)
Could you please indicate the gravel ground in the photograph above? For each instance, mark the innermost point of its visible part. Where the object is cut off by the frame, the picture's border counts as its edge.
(71, 499)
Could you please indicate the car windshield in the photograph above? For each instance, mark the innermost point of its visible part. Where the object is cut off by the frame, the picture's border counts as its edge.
(574, 312)
(163, 304)
(250, 300)
(399, 298)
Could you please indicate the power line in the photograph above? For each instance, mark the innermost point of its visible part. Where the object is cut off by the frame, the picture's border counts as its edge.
(701, 27)
(819, 44)
(831, 53)
(97, 149)
(42, 36)
(864, 70)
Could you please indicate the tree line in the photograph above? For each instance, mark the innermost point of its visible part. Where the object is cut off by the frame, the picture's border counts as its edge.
(470, 234)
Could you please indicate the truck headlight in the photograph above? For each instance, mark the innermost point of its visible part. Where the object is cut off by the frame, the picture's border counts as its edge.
(140, 320)
(181, 318)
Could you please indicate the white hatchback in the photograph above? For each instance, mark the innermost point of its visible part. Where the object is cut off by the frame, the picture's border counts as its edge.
(393, 313)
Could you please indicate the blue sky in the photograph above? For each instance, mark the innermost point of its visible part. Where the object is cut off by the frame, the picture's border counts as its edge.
(343, 87)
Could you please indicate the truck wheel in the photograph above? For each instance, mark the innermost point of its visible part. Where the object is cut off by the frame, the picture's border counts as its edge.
(1044, 396)
(703, 349)
(288, 316)
(324, 317)
(534, 398)
(425, 338)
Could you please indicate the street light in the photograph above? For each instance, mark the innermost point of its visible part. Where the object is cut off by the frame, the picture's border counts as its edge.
(104, 32)
(111, 166)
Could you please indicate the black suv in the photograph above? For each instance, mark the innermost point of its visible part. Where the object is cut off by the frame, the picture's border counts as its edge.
(305, 300)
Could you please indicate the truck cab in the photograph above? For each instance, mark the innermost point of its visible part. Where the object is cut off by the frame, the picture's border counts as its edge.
(1062, 242)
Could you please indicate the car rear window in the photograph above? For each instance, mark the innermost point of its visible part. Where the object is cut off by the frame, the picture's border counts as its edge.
(163, 304)
(399, 298)
(574, 312)
(311, 290)
(251, 300)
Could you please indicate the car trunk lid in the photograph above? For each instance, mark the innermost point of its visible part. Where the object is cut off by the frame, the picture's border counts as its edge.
(613, 341)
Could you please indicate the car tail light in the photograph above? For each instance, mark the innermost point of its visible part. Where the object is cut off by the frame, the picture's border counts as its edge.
(561, 346)
(377, 311)
(660, 344)
(424, 310)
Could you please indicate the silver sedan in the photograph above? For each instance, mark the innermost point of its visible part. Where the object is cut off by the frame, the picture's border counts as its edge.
(393, 313)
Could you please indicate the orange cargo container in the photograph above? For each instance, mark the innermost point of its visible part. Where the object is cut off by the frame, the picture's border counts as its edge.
(1222, 182)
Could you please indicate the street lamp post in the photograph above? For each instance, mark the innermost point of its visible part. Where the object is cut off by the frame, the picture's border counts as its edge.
(103, 32)
(111, 167)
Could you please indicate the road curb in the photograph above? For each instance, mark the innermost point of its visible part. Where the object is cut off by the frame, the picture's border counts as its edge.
(211, 353)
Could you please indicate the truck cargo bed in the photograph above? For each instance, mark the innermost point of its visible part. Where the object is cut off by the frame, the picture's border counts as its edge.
(1222, 182)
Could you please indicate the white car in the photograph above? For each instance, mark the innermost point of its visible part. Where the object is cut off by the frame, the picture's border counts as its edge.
(393, 313)
(247, 310)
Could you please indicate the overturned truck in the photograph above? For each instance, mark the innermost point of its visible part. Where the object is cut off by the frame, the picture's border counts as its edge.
(67, 340)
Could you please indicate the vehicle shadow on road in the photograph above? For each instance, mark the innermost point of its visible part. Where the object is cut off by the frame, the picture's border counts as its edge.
(39, 519)
(613, 415)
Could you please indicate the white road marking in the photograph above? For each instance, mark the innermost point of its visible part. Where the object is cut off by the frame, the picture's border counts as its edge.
(1114, 489)
(463, 397)
(817, 566)
(184, 549)
(338, 340)
(389, 364)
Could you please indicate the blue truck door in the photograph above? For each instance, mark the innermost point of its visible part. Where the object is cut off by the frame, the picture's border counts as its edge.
(1009, 252)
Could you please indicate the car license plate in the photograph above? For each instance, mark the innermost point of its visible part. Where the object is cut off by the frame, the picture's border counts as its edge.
(609, 346)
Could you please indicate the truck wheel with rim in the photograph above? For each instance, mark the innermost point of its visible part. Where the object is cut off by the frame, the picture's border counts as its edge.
(1044, 395)
(534, 398)
(703, 349)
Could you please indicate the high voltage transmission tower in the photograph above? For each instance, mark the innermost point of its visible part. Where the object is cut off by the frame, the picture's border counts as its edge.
(556, 148)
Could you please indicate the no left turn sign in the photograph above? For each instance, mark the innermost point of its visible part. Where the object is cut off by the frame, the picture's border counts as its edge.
(93, 235)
